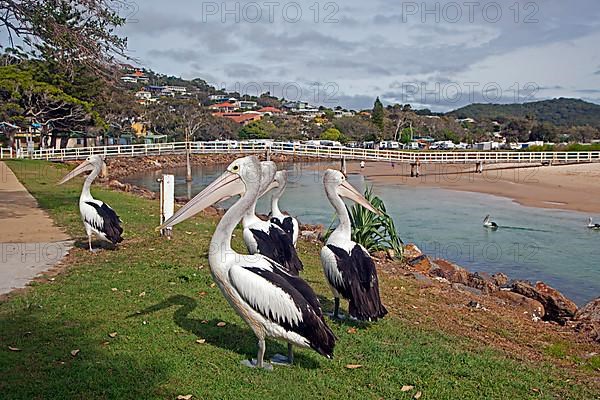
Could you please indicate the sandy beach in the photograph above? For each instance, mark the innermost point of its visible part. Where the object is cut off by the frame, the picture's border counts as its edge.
(569, 187)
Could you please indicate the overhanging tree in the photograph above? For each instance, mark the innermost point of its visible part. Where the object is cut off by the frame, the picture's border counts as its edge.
(69, 32)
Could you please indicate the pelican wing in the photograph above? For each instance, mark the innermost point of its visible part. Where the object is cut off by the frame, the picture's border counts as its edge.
(271, 295)
(287, 224)
(104, 219)
(277, 245)
(360, 283)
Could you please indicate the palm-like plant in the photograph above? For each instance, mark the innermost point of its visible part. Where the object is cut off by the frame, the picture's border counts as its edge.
(374, 232)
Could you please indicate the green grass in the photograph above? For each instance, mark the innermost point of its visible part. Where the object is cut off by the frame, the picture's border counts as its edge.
(155, 354)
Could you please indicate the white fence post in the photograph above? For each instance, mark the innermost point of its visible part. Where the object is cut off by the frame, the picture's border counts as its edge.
(167, 202)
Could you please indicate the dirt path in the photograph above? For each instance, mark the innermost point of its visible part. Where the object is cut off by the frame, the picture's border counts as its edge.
(30, 243)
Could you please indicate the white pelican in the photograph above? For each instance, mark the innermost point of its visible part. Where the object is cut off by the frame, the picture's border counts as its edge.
(266, 237)
(592, 225)
(348, 267)
(98, 218)
(272, 302)
(288, 223)
(488, 223)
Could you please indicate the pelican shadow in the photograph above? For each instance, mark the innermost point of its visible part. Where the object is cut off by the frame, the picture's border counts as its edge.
(232, 337)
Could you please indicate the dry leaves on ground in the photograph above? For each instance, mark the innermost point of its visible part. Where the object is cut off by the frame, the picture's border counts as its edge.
(353, 366)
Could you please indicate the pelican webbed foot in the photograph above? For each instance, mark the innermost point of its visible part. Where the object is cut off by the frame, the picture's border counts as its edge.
(254, 364)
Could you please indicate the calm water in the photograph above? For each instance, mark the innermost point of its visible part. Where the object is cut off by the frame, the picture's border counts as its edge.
(532, 243)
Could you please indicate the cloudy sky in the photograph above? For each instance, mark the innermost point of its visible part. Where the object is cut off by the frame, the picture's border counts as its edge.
(440, 55)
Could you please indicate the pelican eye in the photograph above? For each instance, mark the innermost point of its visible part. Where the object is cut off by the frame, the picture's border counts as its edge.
(235, 168)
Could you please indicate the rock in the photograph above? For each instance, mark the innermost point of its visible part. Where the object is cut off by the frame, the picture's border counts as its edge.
(588, 320)
(482, 282)
(591, 311)
(421, 263)
(412, 251)
(450, 271)
(532, 307)
(391, 254)
(380, 255)
(558, 308)
(309, 235)
(467, 289)
(423, 280)
(500, 279)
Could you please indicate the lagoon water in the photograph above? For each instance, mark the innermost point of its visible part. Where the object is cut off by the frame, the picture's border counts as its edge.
(532, 243)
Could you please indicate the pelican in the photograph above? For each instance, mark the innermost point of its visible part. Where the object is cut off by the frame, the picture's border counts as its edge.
(489, 224)
(348, 267)
(288, 223)
(98, 218)
(592, 225)
(265, 237)
(272, 302)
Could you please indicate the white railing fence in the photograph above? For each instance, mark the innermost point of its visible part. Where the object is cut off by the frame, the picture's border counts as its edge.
(305, 150)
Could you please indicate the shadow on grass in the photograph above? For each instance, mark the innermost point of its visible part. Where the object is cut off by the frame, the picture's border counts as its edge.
(232, 337)
(96, 245)
(327, 305)
(44, 364)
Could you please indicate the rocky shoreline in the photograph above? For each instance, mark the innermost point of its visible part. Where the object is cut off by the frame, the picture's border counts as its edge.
(539, 302)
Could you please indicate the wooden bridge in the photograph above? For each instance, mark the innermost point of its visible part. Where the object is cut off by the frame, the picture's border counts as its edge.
(307, 150)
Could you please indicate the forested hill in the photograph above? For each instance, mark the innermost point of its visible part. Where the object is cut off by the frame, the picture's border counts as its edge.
(560, 112)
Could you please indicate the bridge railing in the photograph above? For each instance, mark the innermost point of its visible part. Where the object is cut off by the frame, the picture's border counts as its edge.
(307, 150)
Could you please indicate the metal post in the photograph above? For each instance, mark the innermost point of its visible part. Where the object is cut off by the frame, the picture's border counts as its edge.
(343, 167)
(167, 202)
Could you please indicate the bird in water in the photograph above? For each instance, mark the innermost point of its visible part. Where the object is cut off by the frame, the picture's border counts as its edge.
(272, 302)
(348, 267)
(488, 223)
(266, 237)
(592, 225)
(98, 218)
(285, 221)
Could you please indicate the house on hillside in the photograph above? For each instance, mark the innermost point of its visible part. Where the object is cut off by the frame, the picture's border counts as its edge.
(240, 118)
(270, 111)
(247, 105)
(225, 107)
(218, 98)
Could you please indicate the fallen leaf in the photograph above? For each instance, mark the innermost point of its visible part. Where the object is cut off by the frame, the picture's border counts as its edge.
(351, 330)
(221, 324)
(202, 294)
(188, 233)
(406, 388)
(353, 366)
(114, 289)
(201, 341)
(213, 284)
(395, 287)
(74, 352)
(142, 294)
(204, 321)
(417, 395)
(14, 348)
(112, 334)
(105, 343)
(186, 397)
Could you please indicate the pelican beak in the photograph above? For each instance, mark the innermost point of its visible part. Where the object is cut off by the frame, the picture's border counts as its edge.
(84, 166)
(224, 187)
(348, 191)
(272, 186)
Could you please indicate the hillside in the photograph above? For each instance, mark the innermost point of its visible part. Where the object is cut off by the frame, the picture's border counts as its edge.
(560, 112)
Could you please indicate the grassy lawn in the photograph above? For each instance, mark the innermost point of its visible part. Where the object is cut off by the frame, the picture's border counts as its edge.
(157, 296)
